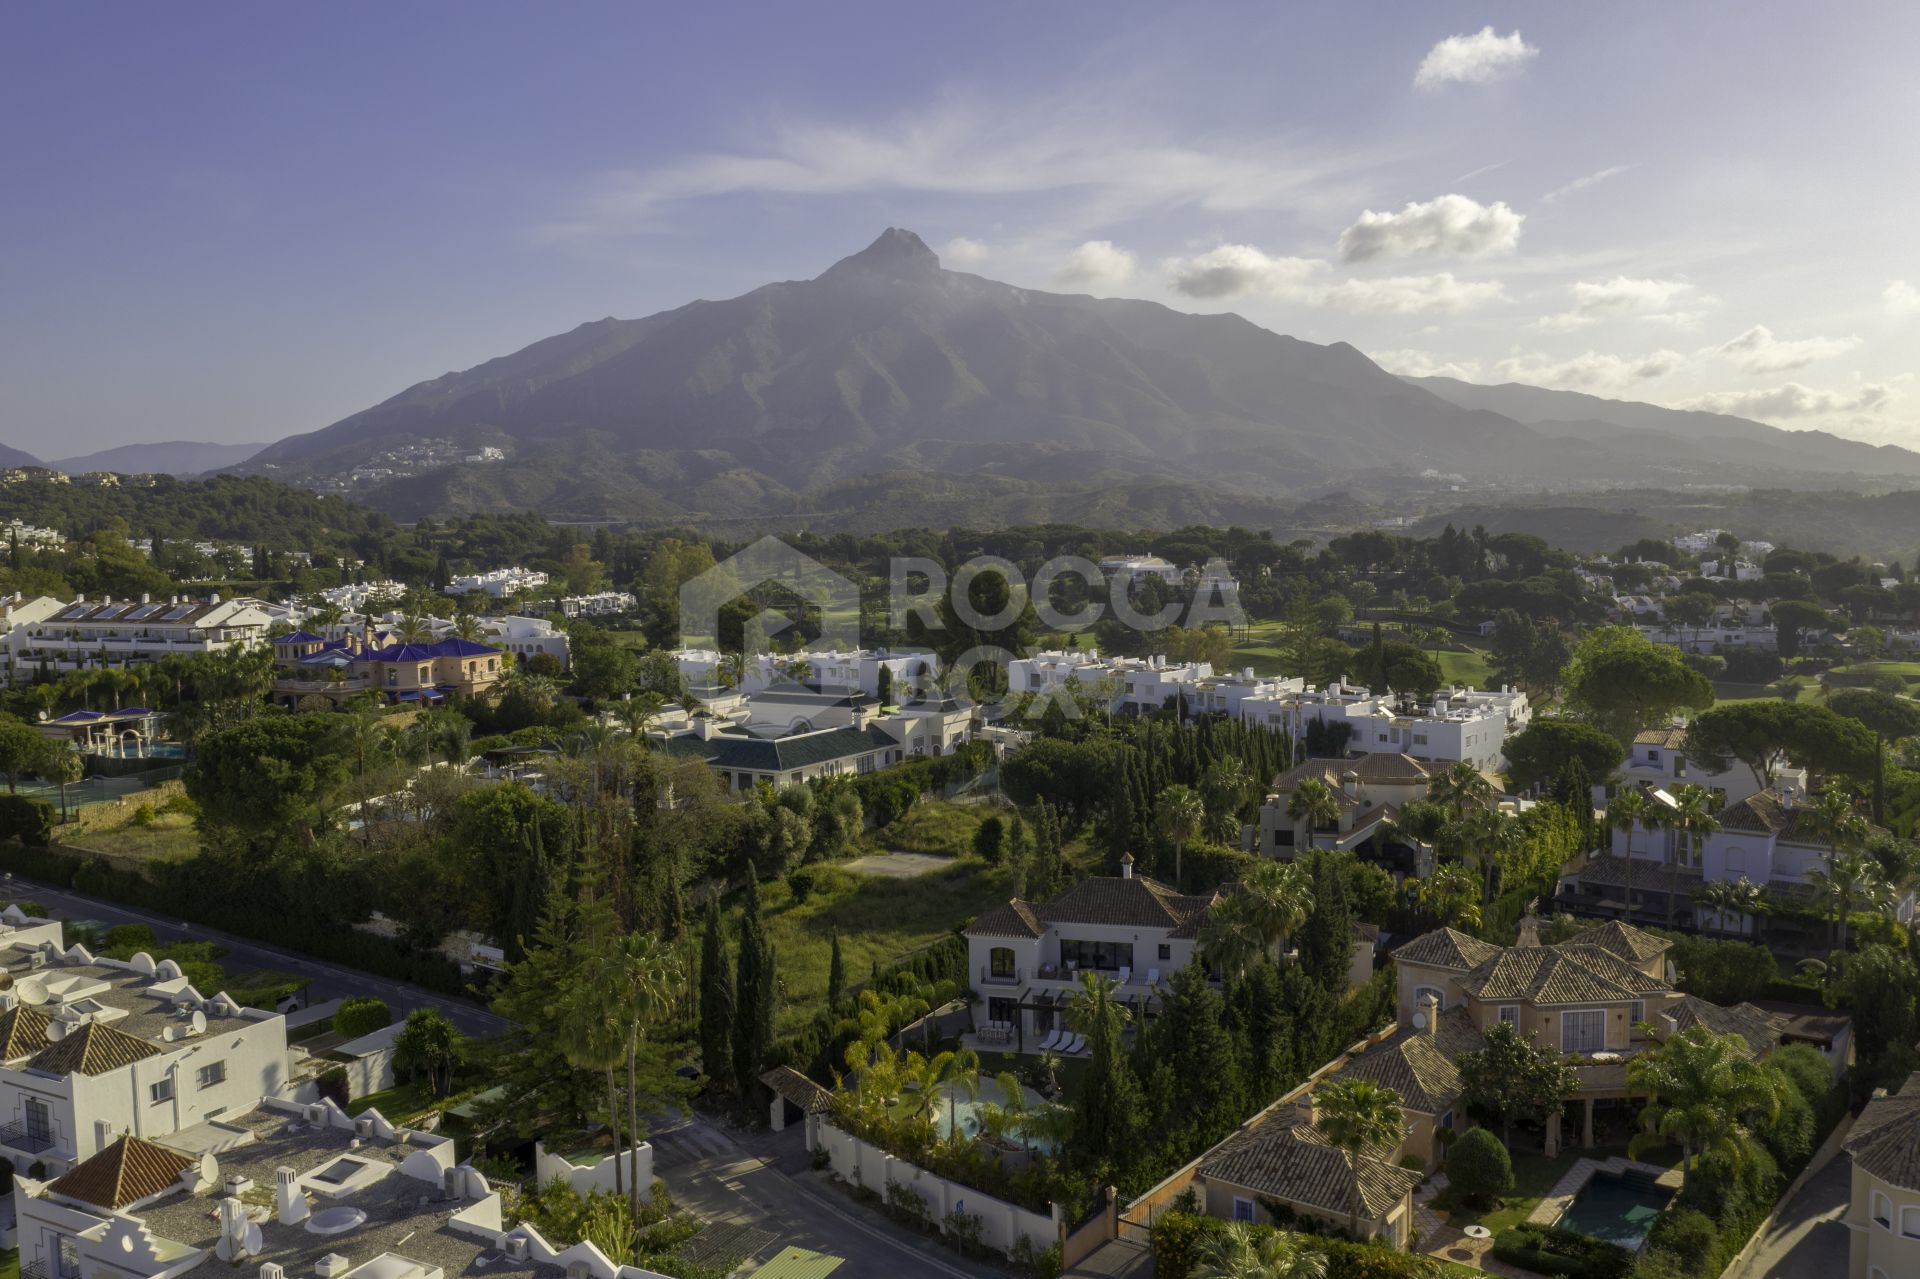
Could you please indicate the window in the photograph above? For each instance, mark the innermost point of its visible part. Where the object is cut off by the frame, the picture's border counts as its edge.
(1446, 1121)
(1882, 1211)
(1583, 1030)
(1000, 962)
(66, 1257)
(214, 1072)
(1419, 739)
(39, 1120)
(1106, 956)
(1242, 1209)
(1166, 952)
(1639, 1011)
(1003, 1010)
(1510, 1013)
(1420, 994)
(160, 1090)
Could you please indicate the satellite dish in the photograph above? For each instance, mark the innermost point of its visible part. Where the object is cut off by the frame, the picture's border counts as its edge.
(56, 1031)
(254, 1238)
(33, 991)
(1419, 1021)
(209, 1168)
(198, 1022)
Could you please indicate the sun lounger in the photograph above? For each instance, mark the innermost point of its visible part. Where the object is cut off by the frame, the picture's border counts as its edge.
(1051, 1041)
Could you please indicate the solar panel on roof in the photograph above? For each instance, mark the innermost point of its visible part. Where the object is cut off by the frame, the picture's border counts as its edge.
(109, 612)
(175, 614)
(145, 610)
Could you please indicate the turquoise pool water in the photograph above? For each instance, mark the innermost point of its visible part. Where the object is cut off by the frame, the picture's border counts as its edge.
(1618, 1208)
(965, 1113)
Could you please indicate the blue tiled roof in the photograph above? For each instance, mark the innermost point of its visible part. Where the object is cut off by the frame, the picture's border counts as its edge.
(425, 652)
(298, 637)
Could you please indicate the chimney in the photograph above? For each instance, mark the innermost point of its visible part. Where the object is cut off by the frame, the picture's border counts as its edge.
(290, 1202)
(1126, 865)
(1429, 1018)
(1529, 931)
(102, 1134)
(1350, 783)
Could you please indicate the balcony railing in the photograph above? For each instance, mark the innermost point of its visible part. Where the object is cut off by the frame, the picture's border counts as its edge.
(1008, 977)
(20, 1138)
(38, 1268)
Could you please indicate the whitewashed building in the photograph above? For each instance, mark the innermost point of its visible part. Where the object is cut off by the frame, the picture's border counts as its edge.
(1456, 724)
(109, 632)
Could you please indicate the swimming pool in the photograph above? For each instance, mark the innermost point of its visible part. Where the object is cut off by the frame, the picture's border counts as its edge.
(1617, 1207)
(965, 1112)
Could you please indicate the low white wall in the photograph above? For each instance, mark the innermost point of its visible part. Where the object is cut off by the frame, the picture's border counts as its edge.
(587, 1178)
(1001, 1223)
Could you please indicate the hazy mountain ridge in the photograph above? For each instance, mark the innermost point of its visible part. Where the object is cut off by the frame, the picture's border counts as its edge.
(888, 364)
(168, 457)
(17, 457)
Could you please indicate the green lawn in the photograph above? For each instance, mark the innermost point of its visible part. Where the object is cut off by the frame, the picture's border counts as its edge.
(1470, 668)
(1727, 691)
(397, 1103)
(877, 919)
(10, 1264)
(1909, 671)
(1533, 1176)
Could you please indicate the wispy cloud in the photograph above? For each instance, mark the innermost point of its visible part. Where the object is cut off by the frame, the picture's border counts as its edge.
(1596, 300)
(1083, 151)
(1099, 265)
(1793, 400)
(1233, 270)
(1479, 58)
(1581, 184)
(1901, 299)
(964, 251)
(1759, 351)
(1410, 362)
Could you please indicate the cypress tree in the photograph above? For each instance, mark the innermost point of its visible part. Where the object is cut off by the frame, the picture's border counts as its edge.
(837, 974)
(753, 1003)
(716, 1001)
(1326, 939)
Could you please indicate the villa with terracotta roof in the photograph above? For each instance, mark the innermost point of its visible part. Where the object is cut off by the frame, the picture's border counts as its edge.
(271, 1189)
(1883, 1209)
(1766, 839)
(1368, 791)
(94, 1048)
(1025, 958)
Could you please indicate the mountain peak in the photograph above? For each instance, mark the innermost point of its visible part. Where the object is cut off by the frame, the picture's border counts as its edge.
(896, 253)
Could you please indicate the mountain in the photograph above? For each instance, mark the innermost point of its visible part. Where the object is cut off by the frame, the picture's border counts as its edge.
(14, 457)
(891, 381)
(1684, 435)
(172, 457)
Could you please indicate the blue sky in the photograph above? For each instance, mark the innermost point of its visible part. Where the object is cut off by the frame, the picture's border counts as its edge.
(241, 221)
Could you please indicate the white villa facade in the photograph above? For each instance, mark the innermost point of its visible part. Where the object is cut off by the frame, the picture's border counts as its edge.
(1883, 1208)
(1457, 724)
(499, 583)
(1658, 758)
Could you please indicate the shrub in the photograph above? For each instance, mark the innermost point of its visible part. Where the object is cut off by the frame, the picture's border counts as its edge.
(989, 840)
(28, 820)
(1548, 1250)
(361, 1016)
(143, 816)
(130, 938)
(800, 884)
(1790, 1137)
(1689, 1237)
(1479, 1169)
(332, 1085)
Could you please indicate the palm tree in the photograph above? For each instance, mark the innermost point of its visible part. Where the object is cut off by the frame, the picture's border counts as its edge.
(1230, 941)
(1725, 897)
(1452, 892)
(1095, 1007)
(1692, 820)
(413, 628)
(1487, 839)
(1833, 821)
(65, 766)
(1178, 815)
(1278, 897)
(635, 714)
(1626, 812)
(1226, 787)
(466, 626)
(1355, 1116)
(1313, 805)
(1461, 788)
(639, 973)
(1237, 1253)
(1703, 1087)
(1849, 878)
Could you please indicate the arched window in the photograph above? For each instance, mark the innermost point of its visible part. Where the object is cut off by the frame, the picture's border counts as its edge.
(1882, 1211)
(1420, 994)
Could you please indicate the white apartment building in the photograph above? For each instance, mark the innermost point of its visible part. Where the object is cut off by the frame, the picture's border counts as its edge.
(1735, 570)
(829, 669)
(92, 1048)
(1137, 683)
(1457, 724)
(1714, 638)
(357, 595)
(1136, 568)
(94, 633)
(598, 604)
(20, 533)
(524, 637)
(498, 583)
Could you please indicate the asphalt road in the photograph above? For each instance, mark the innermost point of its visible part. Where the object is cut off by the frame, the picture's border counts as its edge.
(325, 980)
(1807, 1239)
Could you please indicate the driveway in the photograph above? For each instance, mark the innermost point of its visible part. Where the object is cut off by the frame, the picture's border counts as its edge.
(325, 980)
(738, 1180)
(1806, 1238)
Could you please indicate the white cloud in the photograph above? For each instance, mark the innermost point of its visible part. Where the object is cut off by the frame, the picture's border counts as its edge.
(1473, 59)
(1581, 184)
(1454, 225)
(1595, 300)
(1098, 265)
(1410, 362)
(1589, 371)
(1402, 294)
(1233, 269)
(1759, 351)
(962, 251)
(1901, 299)
(1795, 400)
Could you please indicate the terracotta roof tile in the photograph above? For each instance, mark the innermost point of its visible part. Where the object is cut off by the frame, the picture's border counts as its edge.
(1624, 940)
(1296, 1165)
(23, 1032)
(1885, 1140)
(124, 1173)
(1446, 948)
(92, 1049)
